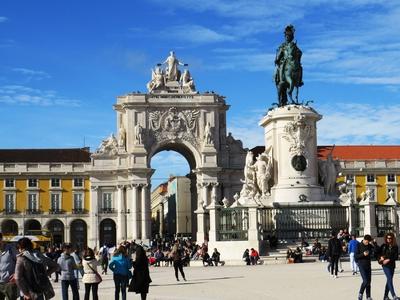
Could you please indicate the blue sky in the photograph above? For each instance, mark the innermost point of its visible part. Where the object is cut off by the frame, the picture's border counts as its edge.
(62, 64)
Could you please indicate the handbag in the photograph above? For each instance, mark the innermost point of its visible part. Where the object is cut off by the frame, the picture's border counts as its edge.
(97, 275)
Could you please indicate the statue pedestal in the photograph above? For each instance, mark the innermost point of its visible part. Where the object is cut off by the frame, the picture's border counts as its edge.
(291, 131)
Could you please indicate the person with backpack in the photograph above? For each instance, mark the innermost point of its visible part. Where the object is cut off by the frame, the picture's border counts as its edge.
(334, 251)
(388, 254)
(120, 265)
(31, 272)
(8, 258)
(104, 258)
(91, 278)
(68, 267)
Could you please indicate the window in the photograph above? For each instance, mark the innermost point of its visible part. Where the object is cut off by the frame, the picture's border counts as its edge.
(78, 201)
(350, 178)
(370, 178)
(391, 178)
(32, 182)
(107, 201)
(32, 201)
(55, 201)
(78, 182)
(10, 183)
(10, 204)
(55, 182)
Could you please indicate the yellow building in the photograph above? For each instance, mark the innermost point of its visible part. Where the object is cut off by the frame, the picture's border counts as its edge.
(376, 168)
(45, 189)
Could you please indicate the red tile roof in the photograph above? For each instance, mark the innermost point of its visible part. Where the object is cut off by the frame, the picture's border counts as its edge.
(359, 152)
(45, 155)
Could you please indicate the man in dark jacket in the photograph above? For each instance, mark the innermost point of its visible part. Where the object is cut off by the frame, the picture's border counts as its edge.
(334, 251)
(363, 257)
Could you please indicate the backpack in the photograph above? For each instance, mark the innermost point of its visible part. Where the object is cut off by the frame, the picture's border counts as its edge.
(38, 277)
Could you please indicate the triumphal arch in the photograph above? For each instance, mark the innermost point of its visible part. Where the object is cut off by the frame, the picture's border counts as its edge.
(172, 115)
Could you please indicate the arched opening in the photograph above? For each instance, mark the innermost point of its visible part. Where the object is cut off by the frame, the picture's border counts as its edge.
(56, 227)
(32, 227)
(9, 227)
(173, 195)
(108, 234)
(78, 229)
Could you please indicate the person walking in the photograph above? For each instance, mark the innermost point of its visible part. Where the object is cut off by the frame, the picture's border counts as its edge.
(120, 265)
(91, 278)
(8, 257)
(68, 267)
(363, 257)
(176, 255)
(388, 254)
(141, 276)
(105, 255)
(334, 251)
(353, 244)
(31, 272)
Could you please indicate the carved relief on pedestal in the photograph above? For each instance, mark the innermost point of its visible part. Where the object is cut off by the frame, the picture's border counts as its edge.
(298, 133)
(173, 124)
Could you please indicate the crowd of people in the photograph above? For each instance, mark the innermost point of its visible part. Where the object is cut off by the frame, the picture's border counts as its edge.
(26, 273)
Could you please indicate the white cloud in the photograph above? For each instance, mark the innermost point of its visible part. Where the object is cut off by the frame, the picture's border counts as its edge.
(3, 19)
(32, 74)
(22, 95)
(359, 124)
(195, 34)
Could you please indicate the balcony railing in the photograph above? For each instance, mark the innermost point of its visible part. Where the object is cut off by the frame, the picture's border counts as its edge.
(33, 211)
(11, 212)
(56, 211)
(79, 211)
(107, 210)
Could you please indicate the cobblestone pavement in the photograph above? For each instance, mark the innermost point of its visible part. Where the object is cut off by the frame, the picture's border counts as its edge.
(307, 281)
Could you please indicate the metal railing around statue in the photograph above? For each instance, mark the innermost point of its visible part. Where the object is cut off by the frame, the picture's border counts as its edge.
(358, 220)
(292, 223)
(233, 224)
(384, 220)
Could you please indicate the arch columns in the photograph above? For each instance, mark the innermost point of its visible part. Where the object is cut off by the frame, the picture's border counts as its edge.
(93, 238)
(146, 212)
(121, 214)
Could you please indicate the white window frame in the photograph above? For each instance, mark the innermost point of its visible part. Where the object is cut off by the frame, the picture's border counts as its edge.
(370, 181)
(82, 200)
(14, 206)
(51, 183)
(104, 200)
(29, 206)
(28, 183)
(394, 177)
(59, 201)
(10, 179)
(79, 186)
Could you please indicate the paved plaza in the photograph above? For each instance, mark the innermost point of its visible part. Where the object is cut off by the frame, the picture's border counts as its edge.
(308, 281)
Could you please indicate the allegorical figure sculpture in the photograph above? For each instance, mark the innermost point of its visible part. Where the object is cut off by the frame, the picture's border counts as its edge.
(121, 137)
(288, 71)
(328, 171)
(208, 136)
(262, 167)
(172, 71)
(139, 134)
(157, 80)
(187, 82)
(109, 146)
